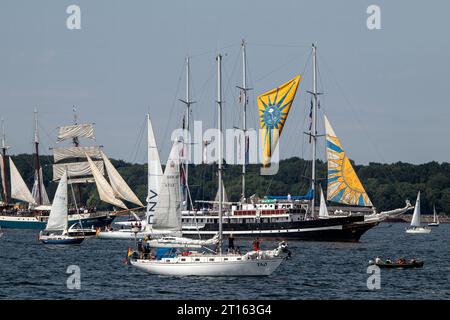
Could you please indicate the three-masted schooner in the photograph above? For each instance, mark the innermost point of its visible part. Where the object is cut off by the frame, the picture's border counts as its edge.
(295, 217)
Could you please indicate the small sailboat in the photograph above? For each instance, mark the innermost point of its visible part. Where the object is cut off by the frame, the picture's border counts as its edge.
(56, 231)
(415, 222)
(435, 222)
(323, 211)
(254, 263)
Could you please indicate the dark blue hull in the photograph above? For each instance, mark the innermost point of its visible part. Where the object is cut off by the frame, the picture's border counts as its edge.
(63, 241)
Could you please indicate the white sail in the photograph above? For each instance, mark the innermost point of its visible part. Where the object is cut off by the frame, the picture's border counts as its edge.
(415, 222)
(76, 169)
(57, 219)
(105, 191)
(168, 210)
(435, 216)
(154, 171)
(323, 211)
(19, 189)
(35, 191)
(76, 131)
(119, 186)
(76, 152)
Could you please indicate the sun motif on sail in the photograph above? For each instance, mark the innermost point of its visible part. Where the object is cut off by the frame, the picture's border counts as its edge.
(344, 185)
(274, 107)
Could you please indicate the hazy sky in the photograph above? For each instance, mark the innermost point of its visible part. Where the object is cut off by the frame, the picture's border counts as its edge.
(387, 92)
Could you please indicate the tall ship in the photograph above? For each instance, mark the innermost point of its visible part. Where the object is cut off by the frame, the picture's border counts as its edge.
(291, 217)
(84, 165)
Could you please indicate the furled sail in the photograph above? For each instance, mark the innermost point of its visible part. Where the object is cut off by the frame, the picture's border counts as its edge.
(57, 220)
(76, 131)
(119, 186)
(105, 191)
(343, 183)
(2, 174)
(76, 169)
(19, 189)
(76, 152)
(323, 211)
(154, 170)
(224, 197)
(35, 190)
(274, 107)
(415, 222)
(168, 210)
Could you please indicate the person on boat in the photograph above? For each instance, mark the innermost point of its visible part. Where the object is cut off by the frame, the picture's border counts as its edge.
(413, 260)
(388, 261)
(256, 244)
(378, 260)
(231, 243)
(139, 245)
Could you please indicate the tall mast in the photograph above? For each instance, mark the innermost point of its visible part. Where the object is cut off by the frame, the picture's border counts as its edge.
(313, 128)
(244, 90)
(219, 106)
(37, 163)
(76, 143)
(5, 175)
(187, 149)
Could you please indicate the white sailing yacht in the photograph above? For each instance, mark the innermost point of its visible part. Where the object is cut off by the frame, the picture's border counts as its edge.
(435, 222)
(253, 263)
(323, 211)
(56, 231)
(415, 222)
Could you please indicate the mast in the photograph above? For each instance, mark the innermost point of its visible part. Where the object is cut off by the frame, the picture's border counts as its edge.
(244, 90)
(76, 143)
(5, 175)
(219, 106)
(187, 150)
(37, 163)
(313, 128)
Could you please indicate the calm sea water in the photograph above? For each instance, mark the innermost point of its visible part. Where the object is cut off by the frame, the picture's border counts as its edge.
(30, 270)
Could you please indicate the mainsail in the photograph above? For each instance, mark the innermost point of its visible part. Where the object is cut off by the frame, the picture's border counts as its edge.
(274, 107)
(154, 171)
(415, 222)
(323, 211)
(168, 210)
(19, 189)
(119, 186)
(57, 219)
(105, 191)
(35, 190)
(343, 183)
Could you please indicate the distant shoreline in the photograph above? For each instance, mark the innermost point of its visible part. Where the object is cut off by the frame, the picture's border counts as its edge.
(424, 218)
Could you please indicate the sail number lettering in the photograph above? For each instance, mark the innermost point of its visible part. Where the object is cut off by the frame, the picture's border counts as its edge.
(262, 264)
(246, 309)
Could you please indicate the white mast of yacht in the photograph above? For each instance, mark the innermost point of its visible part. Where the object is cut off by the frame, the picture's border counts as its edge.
(187, 151)
(219, 111)
(37, 165)
(313, 133)
(244, 101)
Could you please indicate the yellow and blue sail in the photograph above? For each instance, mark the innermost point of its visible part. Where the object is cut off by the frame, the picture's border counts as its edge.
(274, 107)
(344, 185)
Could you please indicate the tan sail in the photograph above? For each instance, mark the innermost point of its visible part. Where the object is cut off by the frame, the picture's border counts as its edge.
(19, 189)
(119, 186)
(76, 152)
(76, 169)
(105, 191)
(76, 131)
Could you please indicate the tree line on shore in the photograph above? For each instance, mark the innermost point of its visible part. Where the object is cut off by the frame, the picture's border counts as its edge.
(388, 185)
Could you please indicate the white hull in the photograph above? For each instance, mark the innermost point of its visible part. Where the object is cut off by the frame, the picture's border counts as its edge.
(418, 230)
(122, 235)
(433, 224)
(220, 268)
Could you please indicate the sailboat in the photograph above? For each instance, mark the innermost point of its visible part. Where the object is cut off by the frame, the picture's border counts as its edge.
(415, 222)
(56, 230)
(281, 217)
(36, 215)
(435, 222)
(254, 263)
(323, 210)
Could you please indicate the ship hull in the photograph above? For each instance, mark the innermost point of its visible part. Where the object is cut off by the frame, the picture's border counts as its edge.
(345, 229)
(34, 223)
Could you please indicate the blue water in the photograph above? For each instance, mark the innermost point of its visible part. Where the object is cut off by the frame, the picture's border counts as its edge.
(30, 270)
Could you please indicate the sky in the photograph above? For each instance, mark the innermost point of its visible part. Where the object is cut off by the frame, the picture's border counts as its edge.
(386, 92)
